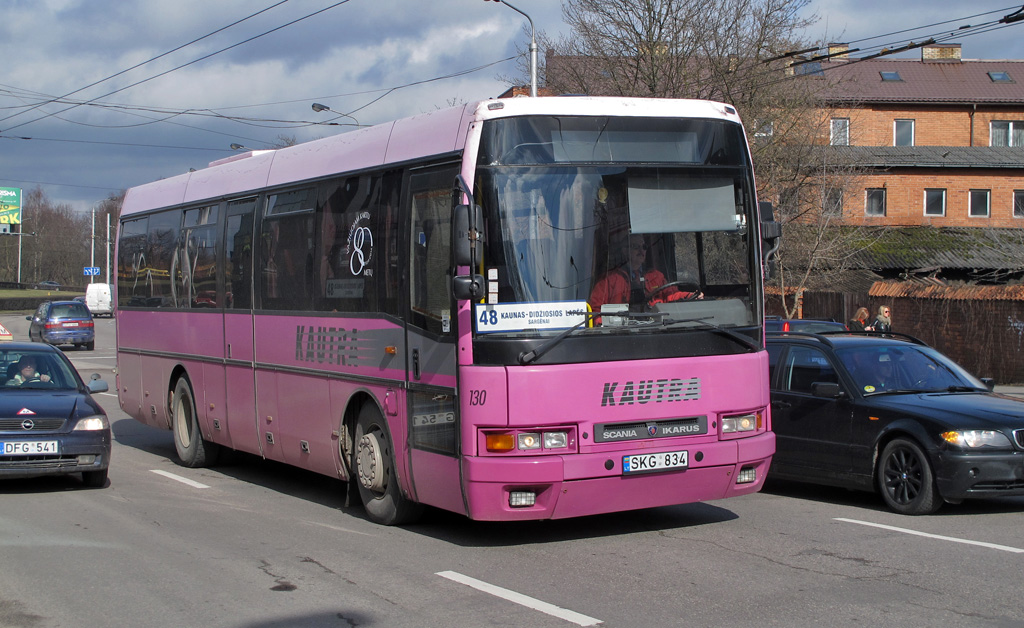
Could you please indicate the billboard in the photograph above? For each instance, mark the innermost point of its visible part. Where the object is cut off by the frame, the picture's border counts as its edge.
(10, 206)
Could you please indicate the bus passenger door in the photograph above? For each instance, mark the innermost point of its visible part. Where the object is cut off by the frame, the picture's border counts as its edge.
(432, 423)
(239, 355)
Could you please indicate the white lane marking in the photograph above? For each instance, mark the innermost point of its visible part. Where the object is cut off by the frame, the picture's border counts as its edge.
(178, 478)
(1002, 548)
(337, 529)
(518, 598)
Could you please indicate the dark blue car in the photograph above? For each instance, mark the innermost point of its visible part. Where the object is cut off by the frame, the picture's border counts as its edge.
(49, 422)
(63, 323)
(890, 414)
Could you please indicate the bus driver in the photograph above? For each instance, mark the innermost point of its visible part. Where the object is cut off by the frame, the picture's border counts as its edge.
(632, 283)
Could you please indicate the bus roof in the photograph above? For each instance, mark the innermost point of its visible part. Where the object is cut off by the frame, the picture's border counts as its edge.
(434, 133)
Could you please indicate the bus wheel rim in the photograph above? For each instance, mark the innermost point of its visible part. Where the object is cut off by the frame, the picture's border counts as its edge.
(371, 463)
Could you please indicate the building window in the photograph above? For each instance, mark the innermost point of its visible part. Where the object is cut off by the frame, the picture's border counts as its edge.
(1018, 203)
(891, 76)
(833, 202)
(979, 203)
(840, 132)
(875, 204)
(1000, 77)
(903, 134)
(935, 202)
(1006, 133)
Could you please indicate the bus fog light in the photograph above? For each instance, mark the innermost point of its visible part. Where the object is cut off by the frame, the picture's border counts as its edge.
(747, 475)
(556, 440)
(529, 440)
(522, 499)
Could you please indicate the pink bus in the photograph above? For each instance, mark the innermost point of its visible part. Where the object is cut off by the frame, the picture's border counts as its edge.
(531, 308)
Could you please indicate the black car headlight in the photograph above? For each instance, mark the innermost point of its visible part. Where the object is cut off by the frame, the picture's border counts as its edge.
(91, 424)
(976, 439)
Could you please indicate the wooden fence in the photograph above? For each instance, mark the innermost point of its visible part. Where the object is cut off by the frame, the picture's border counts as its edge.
(980, 327)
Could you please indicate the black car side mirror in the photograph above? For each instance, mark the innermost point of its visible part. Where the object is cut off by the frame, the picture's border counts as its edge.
(827, 390)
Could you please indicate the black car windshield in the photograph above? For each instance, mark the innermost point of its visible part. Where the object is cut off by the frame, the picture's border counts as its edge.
(888, 368)
(27, 370)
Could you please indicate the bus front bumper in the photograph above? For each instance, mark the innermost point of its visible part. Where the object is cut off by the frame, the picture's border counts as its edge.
(593, 483)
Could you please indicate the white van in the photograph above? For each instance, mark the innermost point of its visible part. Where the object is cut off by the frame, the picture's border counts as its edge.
(98, 299)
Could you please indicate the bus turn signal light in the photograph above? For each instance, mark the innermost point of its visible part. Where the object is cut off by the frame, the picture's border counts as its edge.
(500, 442)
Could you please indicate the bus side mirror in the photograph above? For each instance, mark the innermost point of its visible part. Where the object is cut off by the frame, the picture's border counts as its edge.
(468, 287)
(771, 236)
(467, 235)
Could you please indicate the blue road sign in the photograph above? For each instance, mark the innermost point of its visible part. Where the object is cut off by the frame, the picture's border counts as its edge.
(91, 270)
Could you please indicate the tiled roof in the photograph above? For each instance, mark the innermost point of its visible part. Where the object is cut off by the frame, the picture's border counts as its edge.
(905, 289)
(932, 82)
(934, 156)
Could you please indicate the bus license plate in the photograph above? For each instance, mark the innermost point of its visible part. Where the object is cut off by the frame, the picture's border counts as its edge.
(29, 448)
(637, 463)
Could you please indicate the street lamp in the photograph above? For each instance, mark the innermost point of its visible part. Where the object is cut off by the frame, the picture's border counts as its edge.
(533, 47)
(317, 107)
(239, 147)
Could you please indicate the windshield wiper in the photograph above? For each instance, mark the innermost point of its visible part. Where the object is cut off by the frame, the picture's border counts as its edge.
(529, 356)
(718, 329)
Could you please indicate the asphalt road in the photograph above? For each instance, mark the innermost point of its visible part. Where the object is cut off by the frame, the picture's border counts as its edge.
(255, 544)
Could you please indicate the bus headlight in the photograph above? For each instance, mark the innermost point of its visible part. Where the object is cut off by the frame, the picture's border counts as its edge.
(556, 440)
(529, 440)
(742, 423)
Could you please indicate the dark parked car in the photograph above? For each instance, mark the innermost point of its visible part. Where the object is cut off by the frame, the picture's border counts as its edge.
(63, 323)
(891, 414)
(49, 422)
(802, 324)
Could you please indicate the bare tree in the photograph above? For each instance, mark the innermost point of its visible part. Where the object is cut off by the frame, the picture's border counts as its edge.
(735, 51)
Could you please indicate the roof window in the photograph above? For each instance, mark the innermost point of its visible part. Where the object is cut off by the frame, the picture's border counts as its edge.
(890, 75)
(1000, 77)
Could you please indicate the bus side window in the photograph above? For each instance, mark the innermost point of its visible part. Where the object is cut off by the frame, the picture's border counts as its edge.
(237, 267)
(430, 253)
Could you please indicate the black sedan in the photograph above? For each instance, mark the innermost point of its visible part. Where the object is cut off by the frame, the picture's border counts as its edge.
(49, 422)
(891, 414)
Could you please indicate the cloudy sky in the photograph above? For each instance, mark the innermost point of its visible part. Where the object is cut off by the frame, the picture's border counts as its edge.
(101, 95)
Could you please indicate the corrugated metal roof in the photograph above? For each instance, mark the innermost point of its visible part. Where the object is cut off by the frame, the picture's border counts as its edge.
(998, 157)
(925, 249)
(960, 81)
(918, 248)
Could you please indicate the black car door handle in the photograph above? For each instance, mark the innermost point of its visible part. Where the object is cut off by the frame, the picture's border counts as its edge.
(782, 405)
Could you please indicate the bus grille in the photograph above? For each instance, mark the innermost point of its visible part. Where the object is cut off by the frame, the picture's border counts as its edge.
(643, 430)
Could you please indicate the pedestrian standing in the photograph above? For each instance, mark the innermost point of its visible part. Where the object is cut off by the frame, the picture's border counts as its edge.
(859, 322)
(883, 322)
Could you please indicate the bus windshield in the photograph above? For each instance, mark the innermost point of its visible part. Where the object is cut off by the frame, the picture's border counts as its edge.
(653, 231)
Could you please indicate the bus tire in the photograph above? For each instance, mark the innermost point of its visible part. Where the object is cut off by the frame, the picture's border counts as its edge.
(374, 472)
(192, 450)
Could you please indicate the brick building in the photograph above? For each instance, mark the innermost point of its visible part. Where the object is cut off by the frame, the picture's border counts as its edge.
(941, 138)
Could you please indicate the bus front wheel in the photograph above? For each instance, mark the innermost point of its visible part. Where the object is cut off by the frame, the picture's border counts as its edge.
(192, 450)
(374, 470)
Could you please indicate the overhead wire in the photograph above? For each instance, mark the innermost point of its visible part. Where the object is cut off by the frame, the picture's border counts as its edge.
(184, 65)
(139, 65)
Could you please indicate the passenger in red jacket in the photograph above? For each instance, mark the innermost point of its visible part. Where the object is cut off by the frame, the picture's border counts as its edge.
(632, 283)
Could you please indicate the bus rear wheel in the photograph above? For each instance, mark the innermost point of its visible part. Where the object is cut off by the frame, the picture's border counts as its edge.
(192, 450)
(374, 472)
